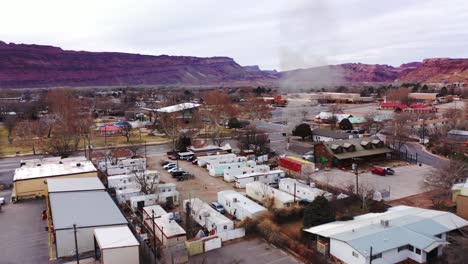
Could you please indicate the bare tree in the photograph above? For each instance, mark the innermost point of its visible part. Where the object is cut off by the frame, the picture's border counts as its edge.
(449, 173)
(400, 130)
(372, 125)
(171, 126)
(254, 139)
(10, 124)
(335, 110)
(127, 131)
(456, 252)
(148, 183)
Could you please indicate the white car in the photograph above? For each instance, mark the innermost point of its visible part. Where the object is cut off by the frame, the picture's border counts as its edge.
(169, 165)
(173, 169)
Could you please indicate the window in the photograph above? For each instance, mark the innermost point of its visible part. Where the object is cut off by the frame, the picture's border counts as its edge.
(405, 247)
(439, 235)
(355, 254)
(418, 251)
(225, 227)
(376, 256)
(410, 248)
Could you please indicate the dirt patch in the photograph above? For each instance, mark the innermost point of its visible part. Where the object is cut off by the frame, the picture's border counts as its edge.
(425, 200)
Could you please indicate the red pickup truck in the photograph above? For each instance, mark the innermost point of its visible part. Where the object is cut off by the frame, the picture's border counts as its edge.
(382, 171)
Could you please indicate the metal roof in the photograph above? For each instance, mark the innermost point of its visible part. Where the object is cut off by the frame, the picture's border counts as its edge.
(168, 226)
(74, 184)
(115, 237)
(335, 134)
(359, 151)
(244, 202)
(177, 108)
(406, 225)
(85, 209)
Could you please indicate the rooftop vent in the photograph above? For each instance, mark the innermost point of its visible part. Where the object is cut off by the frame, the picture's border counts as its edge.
(78, 164)
(385, 223)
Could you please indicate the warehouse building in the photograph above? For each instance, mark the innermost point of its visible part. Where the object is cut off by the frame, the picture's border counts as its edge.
(85, 211)
(74, 185)
(30, 180)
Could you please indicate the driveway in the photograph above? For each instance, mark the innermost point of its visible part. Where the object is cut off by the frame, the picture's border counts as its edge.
(424, 156)
(407, 181)
(254, 251)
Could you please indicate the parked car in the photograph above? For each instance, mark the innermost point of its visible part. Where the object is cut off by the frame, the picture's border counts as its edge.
(164, 162)
(382, 171)
(185, 176)
(218, 207)
(173, 169)
(172, 157)
(168, 165)
(177, 173)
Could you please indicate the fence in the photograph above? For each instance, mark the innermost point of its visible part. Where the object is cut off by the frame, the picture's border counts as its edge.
(231, 234)
(404, 155)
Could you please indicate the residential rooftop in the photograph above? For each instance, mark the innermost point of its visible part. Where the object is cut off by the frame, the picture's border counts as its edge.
(115, 237)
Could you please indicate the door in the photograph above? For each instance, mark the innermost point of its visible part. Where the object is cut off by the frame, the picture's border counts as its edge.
(432, 255)
(140, 205)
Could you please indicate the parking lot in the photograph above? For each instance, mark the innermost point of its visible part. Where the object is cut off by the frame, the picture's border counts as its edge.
(23, 238)
(407, 180)
(203, 186)
(247, 251)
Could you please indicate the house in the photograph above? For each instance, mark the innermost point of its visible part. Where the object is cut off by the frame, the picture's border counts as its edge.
(208, 217)
(301, 191)
(30, 180)
(217, 169)
(323, 117)
(74, 185)
(325, 135)
(460, 197)
(116, 245)
(457, 135)
(86, 211)
(239, 206)
(344, 152)
(230, 174)
(110, 130)
(210, 150)
(166, 229)
(399, 234)
(427, 98)
(263, 194)
(267, 177)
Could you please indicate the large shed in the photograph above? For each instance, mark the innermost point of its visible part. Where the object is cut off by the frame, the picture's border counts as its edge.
(87, 211)
(116, 245)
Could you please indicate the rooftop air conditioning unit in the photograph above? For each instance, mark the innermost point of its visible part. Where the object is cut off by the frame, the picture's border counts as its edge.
(78, 164)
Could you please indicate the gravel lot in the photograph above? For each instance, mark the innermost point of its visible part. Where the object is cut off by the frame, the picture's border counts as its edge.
(408, 180)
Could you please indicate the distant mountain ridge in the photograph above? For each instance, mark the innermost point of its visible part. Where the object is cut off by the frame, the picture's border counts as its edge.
(24, 65)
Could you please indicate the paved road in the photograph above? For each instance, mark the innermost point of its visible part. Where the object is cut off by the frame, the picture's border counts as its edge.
(423, 156)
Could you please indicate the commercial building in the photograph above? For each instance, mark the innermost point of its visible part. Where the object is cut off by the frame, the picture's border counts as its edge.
(74, 185)
(460, 197)
(30, 180)
(267, 177)
(239, 206)
(343, 152)
(402, 233)
(265, 194)
(208, 217)
(301, 191)
(86, 211)
(116, 245)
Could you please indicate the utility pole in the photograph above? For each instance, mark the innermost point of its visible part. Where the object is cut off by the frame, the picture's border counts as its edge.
(356, 171)
(76, 245)
(370, 259)
(294, 192)
(154, 237)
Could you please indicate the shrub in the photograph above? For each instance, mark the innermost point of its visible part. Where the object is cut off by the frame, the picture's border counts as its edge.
(250, 225)
(318, 212)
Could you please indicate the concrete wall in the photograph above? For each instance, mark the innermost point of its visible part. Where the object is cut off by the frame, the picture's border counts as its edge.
(123, 255)
(65, 240)
(32, 187)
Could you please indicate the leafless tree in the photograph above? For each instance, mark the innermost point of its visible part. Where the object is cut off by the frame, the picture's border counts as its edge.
(372, 125)
(254, 139)
(171, 126)
(456, 252)
(148, 183)
(127, 131)
(449, 173)
(400, 130)
(10, 124)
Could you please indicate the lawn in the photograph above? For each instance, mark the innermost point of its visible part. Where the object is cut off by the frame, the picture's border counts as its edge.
(19, 146)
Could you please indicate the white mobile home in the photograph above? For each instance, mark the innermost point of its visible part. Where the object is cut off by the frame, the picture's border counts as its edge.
(165, 193)
(167, 230)
(268, 177)
(301, 190)
(131, 180)
(122, 166)
(87, 210)
(217, 169)
(208, 217)
(229, 175)
(202, 161)
(116, 245)
(263, 193)
(124, 195)
(239, 206)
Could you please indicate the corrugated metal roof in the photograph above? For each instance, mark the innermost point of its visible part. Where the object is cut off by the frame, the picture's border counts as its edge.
(115, 237)
(74, 184)
(84, 209)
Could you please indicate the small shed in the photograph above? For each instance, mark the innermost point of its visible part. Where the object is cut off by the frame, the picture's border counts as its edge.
(116, 245)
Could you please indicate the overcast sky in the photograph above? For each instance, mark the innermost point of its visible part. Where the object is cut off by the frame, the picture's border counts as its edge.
(274, 34)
